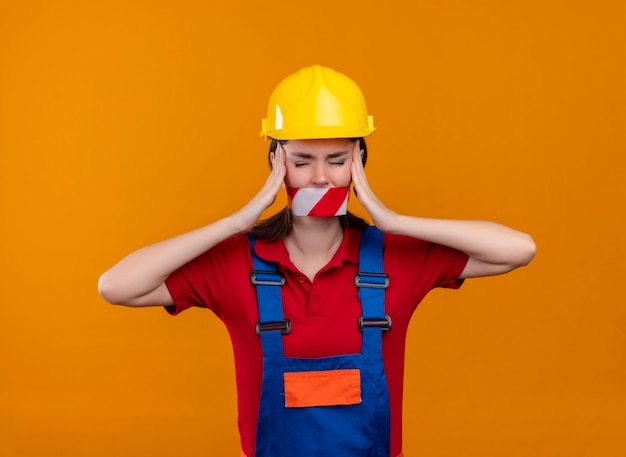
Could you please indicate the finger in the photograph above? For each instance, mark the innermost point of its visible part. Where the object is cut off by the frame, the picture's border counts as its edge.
(358, 174)
(276, 159)
(276, 178)
(356, 156)
(281, 153)
(277, 154)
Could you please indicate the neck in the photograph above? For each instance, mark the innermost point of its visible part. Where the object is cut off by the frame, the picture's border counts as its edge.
(315, 235)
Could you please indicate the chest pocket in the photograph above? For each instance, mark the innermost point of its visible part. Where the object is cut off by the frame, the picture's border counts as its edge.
(322, 388)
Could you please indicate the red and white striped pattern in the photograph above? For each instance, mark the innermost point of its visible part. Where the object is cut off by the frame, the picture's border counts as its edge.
(318, 202)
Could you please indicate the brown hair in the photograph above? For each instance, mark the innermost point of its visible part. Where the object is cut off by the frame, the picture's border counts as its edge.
(279, 225)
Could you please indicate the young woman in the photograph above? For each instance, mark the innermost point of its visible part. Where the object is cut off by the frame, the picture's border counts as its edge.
(319, 355)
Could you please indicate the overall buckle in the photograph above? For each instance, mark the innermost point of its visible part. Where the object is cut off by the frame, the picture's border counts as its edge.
(371, 280)
(267, 278)
(383, 324)
(284, 327)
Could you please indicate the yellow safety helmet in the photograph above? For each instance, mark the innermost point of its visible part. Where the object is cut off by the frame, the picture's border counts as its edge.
(316, 102)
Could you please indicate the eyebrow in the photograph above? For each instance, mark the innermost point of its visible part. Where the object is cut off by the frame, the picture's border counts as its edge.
(306, 155)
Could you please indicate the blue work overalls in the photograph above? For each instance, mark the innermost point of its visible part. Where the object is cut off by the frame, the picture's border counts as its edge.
(333, 406)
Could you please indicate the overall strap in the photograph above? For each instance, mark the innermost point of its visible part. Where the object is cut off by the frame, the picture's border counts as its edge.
(271, 325)
(372, 282)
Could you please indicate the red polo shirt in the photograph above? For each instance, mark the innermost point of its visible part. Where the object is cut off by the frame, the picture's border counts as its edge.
(323, 313)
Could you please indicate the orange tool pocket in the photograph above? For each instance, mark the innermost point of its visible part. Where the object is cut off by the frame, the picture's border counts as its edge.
(322, 388)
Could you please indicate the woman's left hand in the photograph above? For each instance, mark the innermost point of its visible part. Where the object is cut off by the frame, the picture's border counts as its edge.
(382, 216)
(493, 248)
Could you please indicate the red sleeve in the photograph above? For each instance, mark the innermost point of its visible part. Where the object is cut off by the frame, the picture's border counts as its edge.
(430, 265)
(197, 284)
(453, 263)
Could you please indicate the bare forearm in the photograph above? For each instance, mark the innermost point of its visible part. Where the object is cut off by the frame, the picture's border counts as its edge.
(145, 269)
(484, 241)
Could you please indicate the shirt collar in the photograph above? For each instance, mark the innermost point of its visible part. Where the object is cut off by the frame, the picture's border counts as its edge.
(348, 250)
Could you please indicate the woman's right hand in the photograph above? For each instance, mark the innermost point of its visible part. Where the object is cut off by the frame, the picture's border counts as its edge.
(247, 216)
(138, 279)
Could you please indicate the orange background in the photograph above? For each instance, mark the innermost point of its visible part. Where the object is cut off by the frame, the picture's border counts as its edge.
(124, 123)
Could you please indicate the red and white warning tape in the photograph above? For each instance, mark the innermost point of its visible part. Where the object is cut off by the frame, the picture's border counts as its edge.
(318, 202)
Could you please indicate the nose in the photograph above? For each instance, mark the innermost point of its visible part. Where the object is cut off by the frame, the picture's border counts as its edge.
(319, 175)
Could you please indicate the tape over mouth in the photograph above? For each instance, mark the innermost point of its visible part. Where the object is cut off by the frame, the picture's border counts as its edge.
(318, 202)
